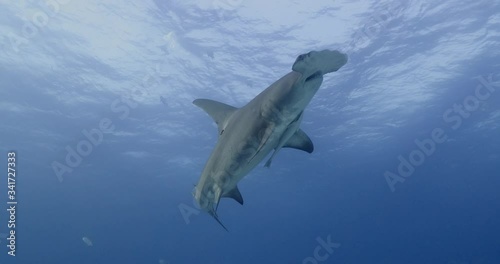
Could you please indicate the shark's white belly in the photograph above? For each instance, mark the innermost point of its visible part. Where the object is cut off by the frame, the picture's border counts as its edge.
(233, 158)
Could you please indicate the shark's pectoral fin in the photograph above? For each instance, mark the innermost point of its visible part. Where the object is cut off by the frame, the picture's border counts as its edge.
(219, 112)
(301, 141)
(235, 194)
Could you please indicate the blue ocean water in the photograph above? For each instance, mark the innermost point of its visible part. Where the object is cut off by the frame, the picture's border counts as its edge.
(95, 102)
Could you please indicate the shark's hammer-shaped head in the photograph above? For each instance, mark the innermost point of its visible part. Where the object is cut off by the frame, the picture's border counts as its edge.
(325, 61)
(308, 71)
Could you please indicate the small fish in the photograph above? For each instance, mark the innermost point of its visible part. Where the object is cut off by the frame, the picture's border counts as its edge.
(87, 241)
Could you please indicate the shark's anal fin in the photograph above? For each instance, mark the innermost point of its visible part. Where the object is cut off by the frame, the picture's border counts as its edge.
(219, 112)
(235, 194)
(301, 141)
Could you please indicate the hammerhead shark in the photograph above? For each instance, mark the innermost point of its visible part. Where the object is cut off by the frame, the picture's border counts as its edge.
(269, 122)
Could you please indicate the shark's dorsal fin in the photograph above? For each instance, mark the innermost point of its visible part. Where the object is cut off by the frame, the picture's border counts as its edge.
(219, 112)
(301, 141)
(235, 194)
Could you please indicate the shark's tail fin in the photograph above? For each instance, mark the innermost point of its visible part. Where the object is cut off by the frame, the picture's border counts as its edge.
(214, 215)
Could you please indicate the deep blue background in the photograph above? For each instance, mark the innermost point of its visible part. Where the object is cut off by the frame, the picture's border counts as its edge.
(125, 196)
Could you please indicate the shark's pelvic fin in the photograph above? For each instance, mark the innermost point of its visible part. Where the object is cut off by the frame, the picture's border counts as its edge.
(219, 112)
(235, 194)
(265, 135)
(289, 133)
(268, 162)
(301, 141)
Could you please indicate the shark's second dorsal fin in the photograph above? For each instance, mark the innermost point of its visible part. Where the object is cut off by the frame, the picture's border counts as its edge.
(301, 141)
(219, 112)
(235, 194)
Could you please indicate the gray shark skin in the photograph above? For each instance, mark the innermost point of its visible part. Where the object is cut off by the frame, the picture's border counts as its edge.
(269, 122)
